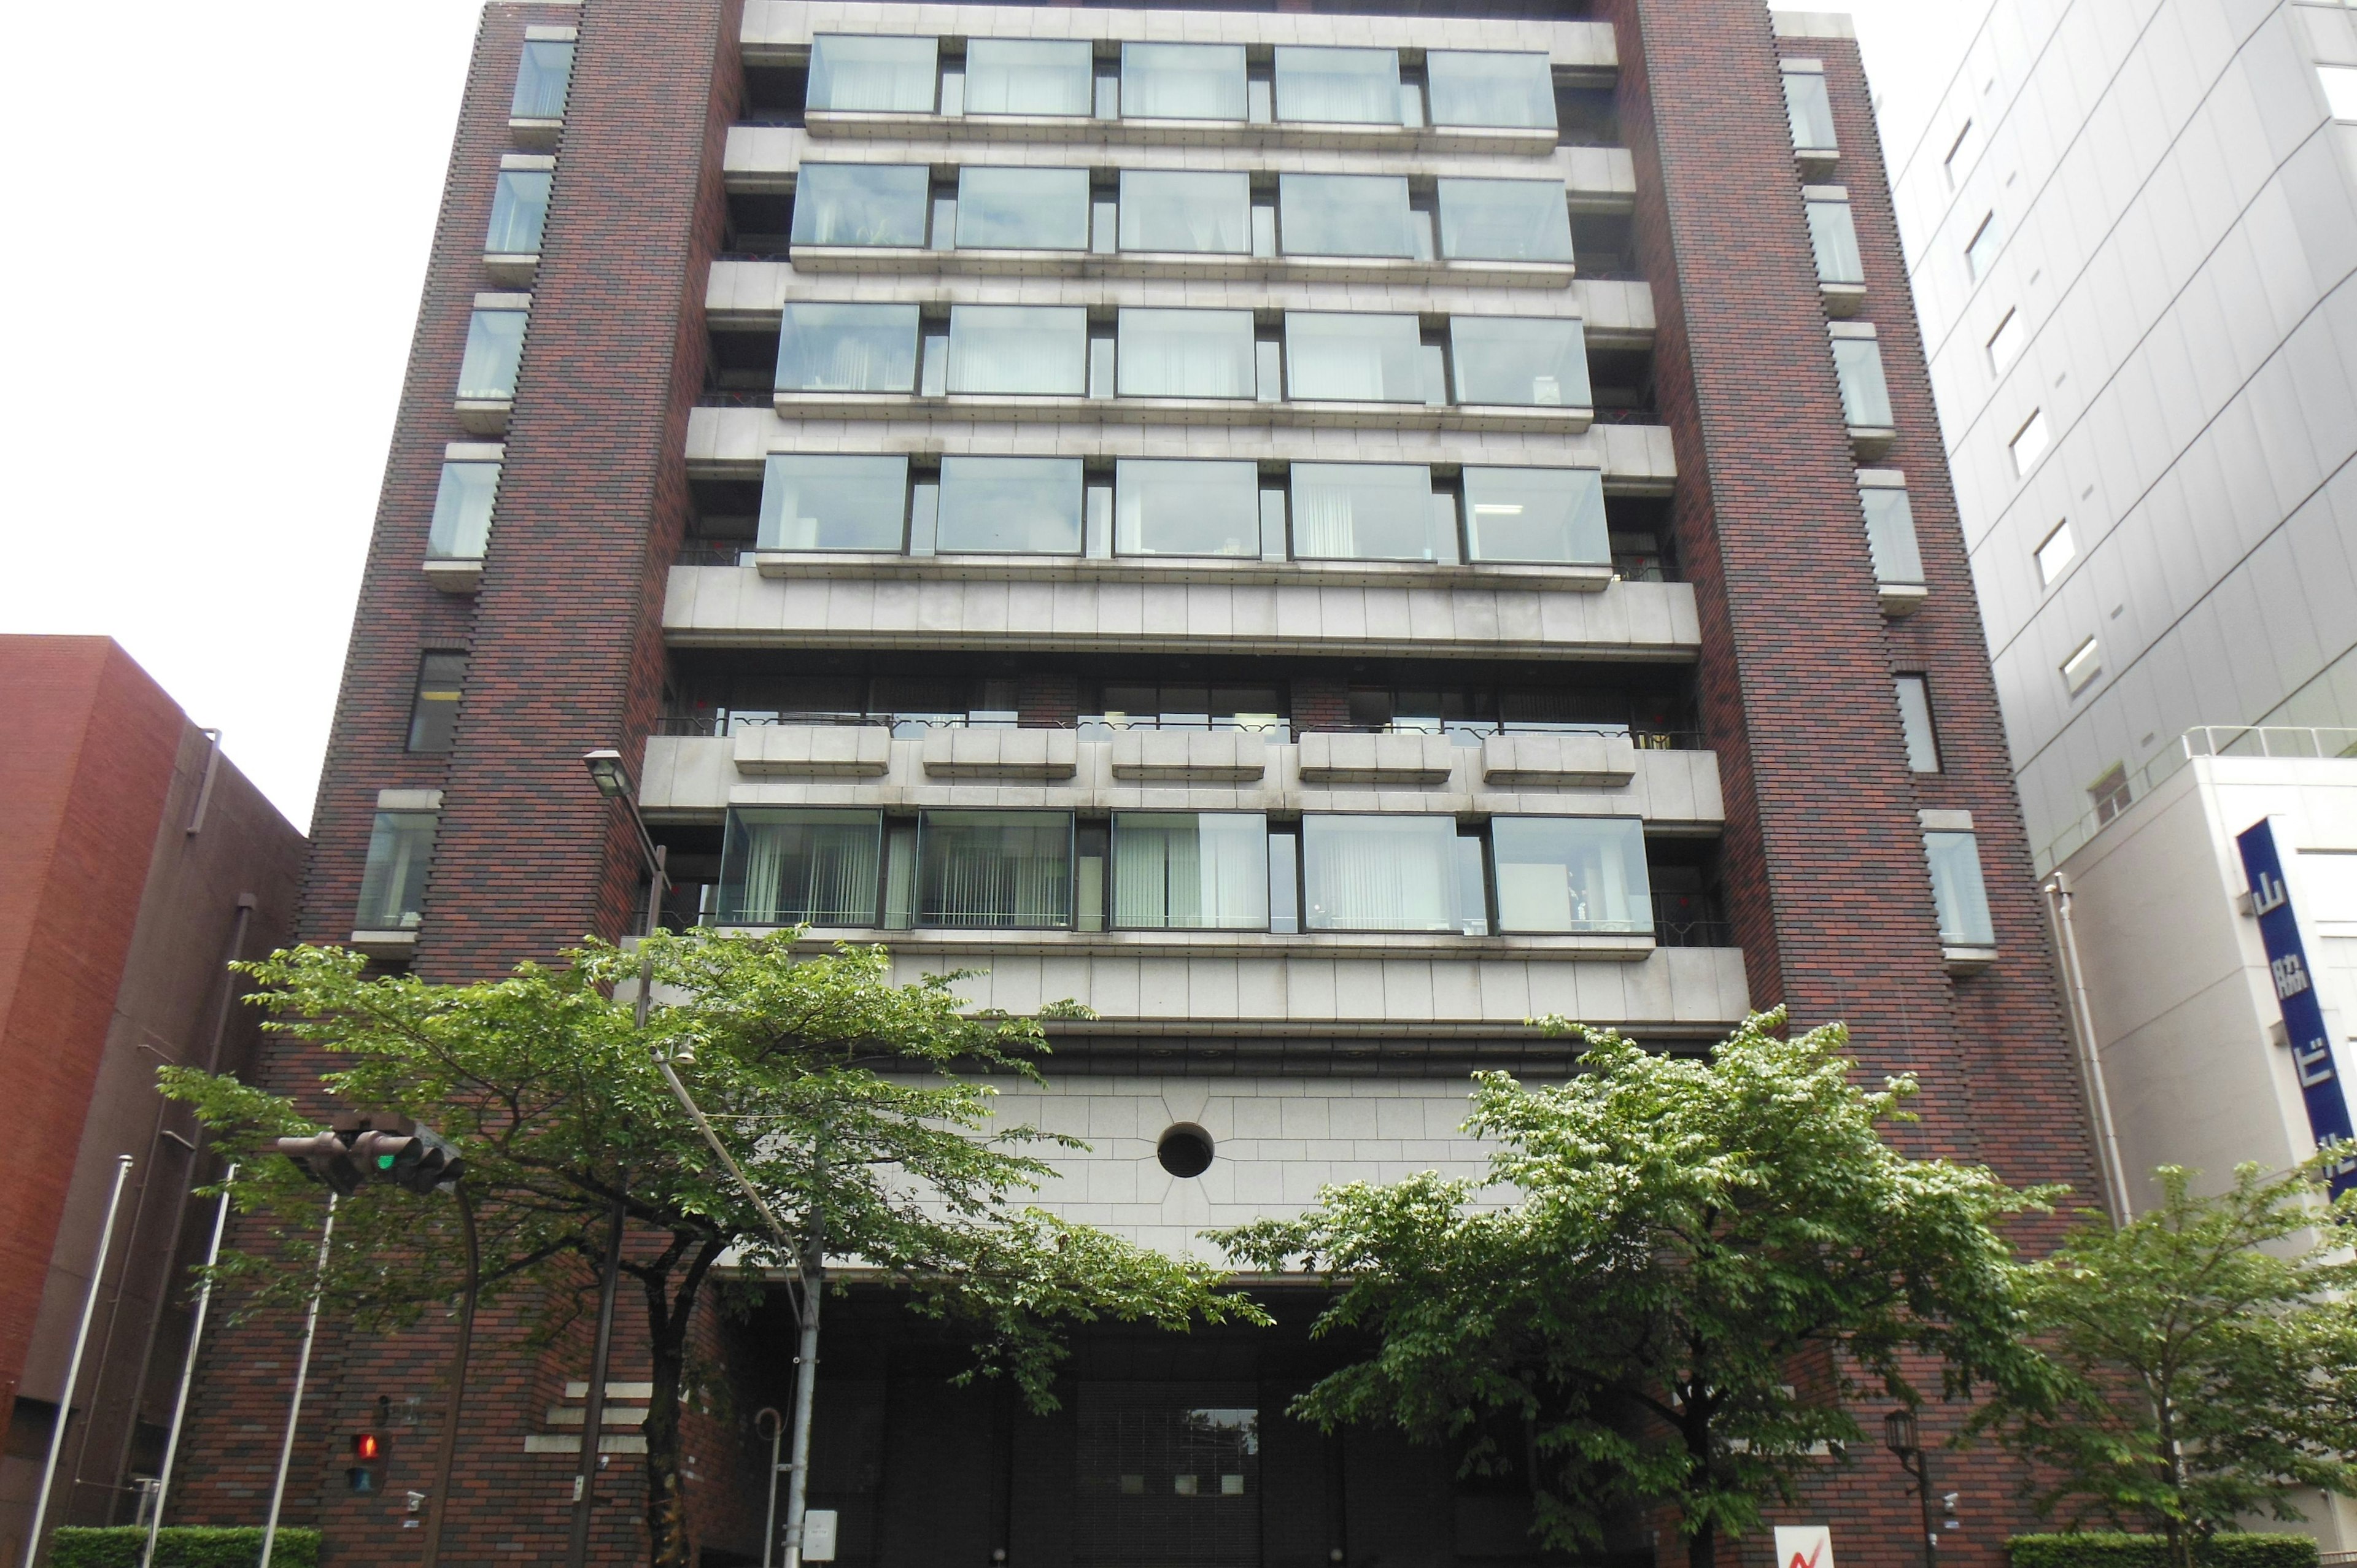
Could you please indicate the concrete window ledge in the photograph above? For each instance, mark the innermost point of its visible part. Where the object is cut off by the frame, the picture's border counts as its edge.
(456, 576)
(535, 135)
(516, 268)
(1189, 756)
(1900, 600)
(1816, 164)
(1843, 300)
(1966, 960)
(1185, 410)
(1131, 569)
(814, 751)
(1037, 754)
(1094, 264)
(1612, 948)
(484, 416)
(1559, 761)
(828, 125)
(1867, 442)
(383, 944)
(1424, 761)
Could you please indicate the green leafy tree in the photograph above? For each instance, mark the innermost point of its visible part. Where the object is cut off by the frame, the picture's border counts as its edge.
(2205, 1360)
(1676, 1275)
(834, 1089)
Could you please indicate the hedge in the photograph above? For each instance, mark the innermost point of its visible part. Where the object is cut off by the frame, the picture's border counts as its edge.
(200, 1546)
(2095, 1549)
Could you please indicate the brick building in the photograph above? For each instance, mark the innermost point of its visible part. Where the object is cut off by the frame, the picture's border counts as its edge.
(136, 860)
(1320, 534)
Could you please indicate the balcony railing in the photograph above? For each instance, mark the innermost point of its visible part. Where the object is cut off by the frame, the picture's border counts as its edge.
(1095, 727)
(2286, 741)
(1671, 932)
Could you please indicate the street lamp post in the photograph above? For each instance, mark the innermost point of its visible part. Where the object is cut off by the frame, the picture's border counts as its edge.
(1903, 1437)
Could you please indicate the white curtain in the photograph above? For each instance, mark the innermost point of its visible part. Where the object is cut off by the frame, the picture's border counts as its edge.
(1011, 874)
(1187, 353)
(1182, 81)
(1190, 873)
(1026, 76)
(803, 867)
(1018, 350)
(1377, 874)
(878, 75)
(1357, 87)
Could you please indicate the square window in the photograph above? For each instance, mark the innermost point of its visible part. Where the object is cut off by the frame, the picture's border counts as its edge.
(788, 866)
(1331, 357)
(847, 348)
(1182, 81)
(1030, 76)
(1832, 236)
(2110, 793)
(1514, 362)
(1039, 350)
(434, 710)
(1960, 153)
(1958, 891)
(1891, 536)
(1505, 220)
(519, 212)
(2339, 90)
(494, 354)
(1550, 515)
(1190, 870)
(1338, 86)
(2028, 444)
(1490, 88)
(1344, 215)
(2057, 551)
(392, 879)
(1809, 111)
(1020, 506)
(541, 74)
(2005, 343)
(1980, 251)
(1181, 507)
(2086, 662)
(462, 511)
(824, 502)
(1385, 873)
(871, 75)
(1864, 395)
(1023, 209)
(862, 204)
(1571, 874)
(1186, 212)
(1915, 724)
(1186, 353)
(1366, 511)
(994, 870)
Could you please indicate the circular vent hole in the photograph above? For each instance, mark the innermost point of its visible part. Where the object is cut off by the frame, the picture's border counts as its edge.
(1185, 1150)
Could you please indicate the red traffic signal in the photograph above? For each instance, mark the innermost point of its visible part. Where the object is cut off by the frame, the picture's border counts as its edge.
(368, 1447)
(368, 1452)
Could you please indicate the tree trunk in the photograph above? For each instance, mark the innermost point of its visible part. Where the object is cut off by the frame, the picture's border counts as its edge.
(670, 1312)
(1702, 1548)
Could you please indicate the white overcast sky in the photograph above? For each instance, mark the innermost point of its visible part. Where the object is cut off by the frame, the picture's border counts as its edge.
(220, 218)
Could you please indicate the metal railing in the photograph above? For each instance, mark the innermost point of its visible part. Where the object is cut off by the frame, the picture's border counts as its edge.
(1701, 931)
(2285, 741)
(1282, 732)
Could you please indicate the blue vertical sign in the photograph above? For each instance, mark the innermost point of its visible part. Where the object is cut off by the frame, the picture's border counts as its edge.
(2295, 983)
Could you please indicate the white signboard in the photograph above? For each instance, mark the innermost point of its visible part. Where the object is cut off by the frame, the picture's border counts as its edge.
(818, 1536)
(1804, 1546)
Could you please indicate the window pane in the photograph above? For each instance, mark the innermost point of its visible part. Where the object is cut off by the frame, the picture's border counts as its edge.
(1352, 359)
(861, 204)
(1167, 507)
(1957, 891)
(462, 511)
(392, 881)
(1865, 399)
(1182, 81)
(848, 348)
(1187, 871)
(1028, 76)
(834, 504)
(1381, 874)
(2058, 550)
(434, 710)
(1915, 724)
(1009, 870)
(541, 76)
(1362, 511)
(782, 866)
(1344, 215)
(1023, 209)
(1505, 220)
(1195, 213)
(1809, 111)
(1514, 362)
(1019, 349)
(1352, 87)
(1891, 536)
(1834, 237)
(1485, 88)
(1017, 505)
(1571, 874)
(1186, 353)
(1536, 514)
(494, 350)
(893, 76)
(519, 211)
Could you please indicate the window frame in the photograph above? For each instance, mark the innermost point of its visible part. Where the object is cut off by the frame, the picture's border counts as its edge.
(1971, 898)
(1918, 725)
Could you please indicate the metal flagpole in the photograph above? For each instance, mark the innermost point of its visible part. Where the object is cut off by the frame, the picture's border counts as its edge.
(73, 1365)
(188, 1375)
(302, 1371)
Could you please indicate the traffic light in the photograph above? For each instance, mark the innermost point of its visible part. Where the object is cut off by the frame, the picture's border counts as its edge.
(376, 1148)
(368, 1455)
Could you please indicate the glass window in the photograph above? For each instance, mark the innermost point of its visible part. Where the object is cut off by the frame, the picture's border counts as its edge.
(847, 348)
(1190, 870)
(434, 710)
(1866, 397)
(1194, 213)
(1030, 76)
(392, 882)
(1834, 237)
(1176, 506)
(1980, 251)
(1505, 220)
(1349, 87)
(1027, 506)
(1915, 724)
(2005, 342)
(1364, 511)
(861, 204)
(1536, 514)
(518, 211)
(1810, 110)
(2058, 549)
(1383, 874)
(462, 511)
(2339, 83)
(1957, 891)
(1186, 353)
(891, 76)
(1960, 156)
(1182, 81)
(2028, 443)
(788, 866)
(811, 502)
(1490, 88)
(1344, 215)
(1337, 357)
(1023, 209)
(1571, 874)
(1891, 536)
(2086, 662)
(1511, 361)
(1002, 870)
(2111, 795)
(1122, 704)
(1036, 350)
(541, 76)
(494, 350)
